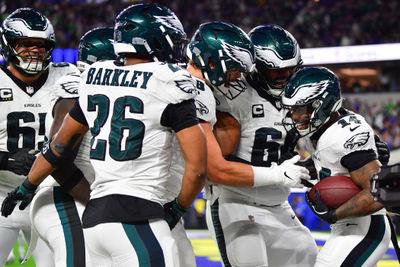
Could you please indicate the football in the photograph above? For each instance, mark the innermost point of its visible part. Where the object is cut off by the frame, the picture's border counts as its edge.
(335, 190)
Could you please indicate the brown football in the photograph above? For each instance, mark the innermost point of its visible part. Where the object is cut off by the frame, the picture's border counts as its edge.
(335, 190)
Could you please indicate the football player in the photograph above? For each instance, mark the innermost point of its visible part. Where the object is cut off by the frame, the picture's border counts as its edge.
(341, 143)
(256, 221)
(133, 107)
(28, 85)
(55, 215)
(205, 72)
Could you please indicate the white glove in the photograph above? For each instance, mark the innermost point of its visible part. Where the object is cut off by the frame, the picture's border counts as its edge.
(287, 174)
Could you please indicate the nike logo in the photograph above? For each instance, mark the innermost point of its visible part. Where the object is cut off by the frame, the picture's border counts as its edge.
(352, 129)
(348, 224)
(293, 217)
(287, 176)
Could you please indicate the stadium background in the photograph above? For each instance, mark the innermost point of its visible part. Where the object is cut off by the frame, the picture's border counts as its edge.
(358, 40)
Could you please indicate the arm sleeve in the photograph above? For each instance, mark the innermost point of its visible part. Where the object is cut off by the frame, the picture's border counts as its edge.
(180, 116)
(77, 114)
(357, 159)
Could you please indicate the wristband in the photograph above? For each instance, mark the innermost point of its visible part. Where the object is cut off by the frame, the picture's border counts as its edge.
(265, 175)
(28, 187)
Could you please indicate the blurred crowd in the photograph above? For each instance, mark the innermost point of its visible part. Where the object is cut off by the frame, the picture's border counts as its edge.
(314, 23)
(384, 118)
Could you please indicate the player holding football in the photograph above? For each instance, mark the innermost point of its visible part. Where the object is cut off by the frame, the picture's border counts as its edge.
(133, 108)
(256, 221)
(28, 86)
(341, 143)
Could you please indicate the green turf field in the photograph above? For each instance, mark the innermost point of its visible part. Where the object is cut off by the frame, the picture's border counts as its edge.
(15, 263)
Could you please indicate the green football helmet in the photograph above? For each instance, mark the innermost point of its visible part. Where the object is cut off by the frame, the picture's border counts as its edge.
(314, 91)
(27, 23)
(95, 45)
(277, 55)
(218, 48)
(151, 31)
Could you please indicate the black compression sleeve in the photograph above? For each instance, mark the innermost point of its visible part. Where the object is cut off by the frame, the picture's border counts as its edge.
(357, 159)
(180, 116)
(3, 160)
(77, 114)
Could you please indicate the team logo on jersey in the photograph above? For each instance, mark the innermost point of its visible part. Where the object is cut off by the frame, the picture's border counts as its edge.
(357, 140)
(6, 94)
(240, 55)
(309, 91)
(171, 22)
(201, 108)
(186, 86)
(257, 110)
(70, 87)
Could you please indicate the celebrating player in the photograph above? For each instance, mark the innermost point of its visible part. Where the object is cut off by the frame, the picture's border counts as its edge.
(341, 143)
(256, 222)
(48, 218)
(132, 108)
(28, 86)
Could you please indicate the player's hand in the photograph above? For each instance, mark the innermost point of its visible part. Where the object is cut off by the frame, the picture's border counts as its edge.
(23, 193)
(320, 209)
(383, 150)
(21, 161)
(289, 146)
(292, 174)
(309, 164)
(173, 212)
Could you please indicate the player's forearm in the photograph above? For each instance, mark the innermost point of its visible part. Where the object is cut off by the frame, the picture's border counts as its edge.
(41, 168)
(360, 205)
(192, 184)
(230, 173)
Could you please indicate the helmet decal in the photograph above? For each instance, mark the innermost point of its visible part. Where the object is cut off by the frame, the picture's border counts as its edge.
(309, 91)
(240, 55)
(171, 22)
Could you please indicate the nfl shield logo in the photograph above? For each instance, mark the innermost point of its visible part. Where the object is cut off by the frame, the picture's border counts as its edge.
(29, 89)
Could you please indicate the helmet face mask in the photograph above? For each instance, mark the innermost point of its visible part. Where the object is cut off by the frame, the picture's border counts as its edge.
(275, 79)
(95, 45)
(150, 31)
(277, 57)
(311, 97)
(222, 51)
(23, 30)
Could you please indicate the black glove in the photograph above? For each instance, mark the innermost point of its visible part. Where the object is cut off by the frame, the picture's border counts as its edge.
(308, 163)
(383, 150)
(320, 209)
(24, 193)
(19, 162)
(173, 212)
(289, 146)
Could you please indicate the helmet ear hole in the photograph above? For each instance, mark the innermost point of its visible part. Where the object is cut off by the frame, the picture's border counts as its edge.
(129, 27)
(211, 63)
(157, 44)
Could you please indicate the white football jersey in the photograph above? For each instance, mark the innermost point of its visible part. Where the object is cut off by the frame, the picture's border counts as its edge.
(24, 108)
(123, 105)
(205, 105)
(349, 134)
(262, 135)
